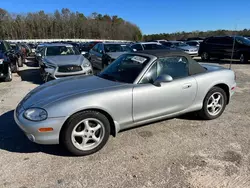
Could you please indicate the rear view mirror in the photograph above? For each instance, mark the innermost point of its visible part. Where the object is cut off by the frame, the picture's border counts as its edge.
(163, 79)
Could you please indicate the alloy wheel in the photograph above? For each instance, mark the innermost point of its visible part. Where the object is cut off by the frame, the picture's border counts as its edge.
(215, 103)
(88, 134)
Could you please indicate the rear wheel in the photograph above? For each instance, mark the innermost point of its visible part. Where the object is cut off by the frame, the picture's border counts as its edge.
(8, 77)
(205, 56)
(214, 104)
(85, 133)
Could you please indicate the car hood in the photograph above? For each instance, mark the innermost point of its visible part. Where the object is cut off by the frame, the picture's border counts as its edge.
(187, 48)
(58, 89)
(65, 59)
(115, 55)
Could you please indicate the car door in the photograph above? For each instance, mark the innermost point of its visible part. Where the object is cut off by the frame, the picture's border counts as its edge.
(92, 55)
(227, 48)
(99, 55)
(150, 101)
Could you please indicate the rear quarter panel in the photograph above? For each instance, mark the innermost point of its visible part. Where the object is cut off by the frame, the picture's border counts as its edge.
(206, 81)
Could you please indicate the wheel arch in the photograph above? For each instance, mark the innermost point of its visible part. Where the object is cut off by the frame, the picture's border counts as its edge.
(225, 88)
(114, 128)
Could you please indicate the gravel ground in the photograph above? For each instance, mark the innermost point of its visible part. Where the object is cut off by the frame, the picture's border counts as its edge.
(180, 152)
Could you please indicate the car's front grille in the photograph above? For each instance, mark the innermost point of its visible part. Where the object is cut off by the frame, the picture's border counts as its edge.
(64, 76)
(69, 68)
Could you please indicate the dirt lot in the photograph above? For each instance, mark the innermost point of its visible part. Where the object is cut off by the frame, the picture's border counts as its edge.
(181, 152)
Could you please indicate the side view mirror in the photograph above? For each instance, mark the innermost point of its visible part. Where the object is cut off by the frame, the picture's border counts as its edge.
(100, 51)
(163, 79)
(134, 50)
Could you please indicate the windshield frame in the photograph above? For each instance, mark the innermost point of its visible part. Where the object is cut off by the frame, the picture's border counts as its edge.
(74, 48)
(149, 61)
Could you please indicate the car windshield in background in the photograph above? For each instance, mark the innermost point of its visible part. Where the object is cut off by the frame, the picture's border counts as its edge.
(125, 69)
(117, 48)
(153, 46)
(243, 40)
(61, 50)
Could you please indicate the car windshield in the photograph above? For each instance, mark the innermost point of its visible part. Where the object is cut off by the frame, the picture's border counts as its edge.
(61, 50)
(117, 48)
(125, 69)
(243, 40)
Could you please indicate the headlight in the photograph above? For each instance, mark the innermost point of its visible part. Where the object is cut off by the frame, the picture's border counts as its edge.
(35, 114)
(86, 65)
(1, 61)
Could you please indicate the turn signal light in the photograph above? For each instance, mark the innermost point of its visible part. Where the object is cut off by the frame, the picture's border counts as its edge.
(46, 129)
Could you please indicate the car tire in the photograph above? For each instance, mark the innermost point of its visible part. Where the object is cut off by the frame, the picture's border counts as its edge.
(214, 104)
(85, 133)
(243, 58)
(205, 56)
(8, 77)
(20, 62)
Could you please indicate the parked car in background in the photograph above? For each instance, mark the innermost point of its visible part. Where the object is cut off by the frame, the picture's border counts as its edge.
(222, 47)
(141, 46)
(190, 50)
(103, 54)
(28, 50)
(5, 68)
(9, 56)
(32, 47)
(62, 60)
(85, 48)
(194, 43)
(20, 53)
(137, 88)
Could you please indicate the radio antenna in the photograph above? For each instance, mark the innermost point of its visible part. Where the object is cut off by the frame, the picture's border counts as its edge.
(232, 55)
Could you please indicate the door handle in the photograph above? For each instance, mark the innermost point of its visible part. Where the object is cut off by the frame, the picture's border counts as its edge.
(186, 86)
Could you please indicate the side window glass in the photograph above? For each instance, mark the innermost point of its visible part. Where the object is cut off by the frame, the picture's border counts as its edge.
(99, 48)
(95, 48)
(151, 75)
(137, 47)
(175, 66)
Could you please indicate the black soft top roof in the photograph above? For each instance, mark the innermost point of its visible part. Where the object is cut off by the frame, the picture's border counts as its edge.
(194, 67)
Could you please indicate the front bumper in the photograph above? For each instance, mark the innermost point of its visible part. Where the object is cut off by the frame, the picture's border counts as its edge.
(30, 128)
(53, 73)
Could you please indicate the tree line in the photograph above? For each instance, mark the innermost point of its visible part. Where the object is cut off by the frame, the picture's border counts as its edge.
(185, 35)
(66, 24)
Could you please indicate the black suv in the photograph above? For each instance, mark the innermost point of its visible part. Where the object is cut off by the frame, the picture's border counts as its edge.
(222, 47)
(8, 61)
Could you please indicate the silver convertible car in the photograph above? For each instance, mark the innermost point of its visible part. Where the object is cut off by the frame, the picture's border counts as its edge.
(137, 88)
